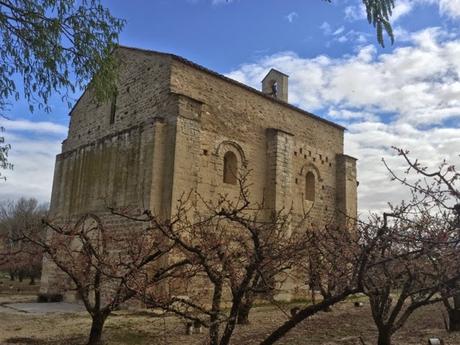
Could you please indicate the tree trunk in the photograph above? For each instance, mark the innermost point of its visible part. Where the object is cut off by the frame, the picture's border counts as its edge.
(243, 311)
(454, 320)
(243, 314)
(302, 315)
(215, 310)
(454, 314)
(95, 334)
(384, 337)
(12, 276)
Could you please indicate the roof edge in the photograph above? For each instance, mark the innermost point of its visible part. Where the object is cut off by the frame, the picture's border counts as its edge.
(223, 77)
(275, 70)
(234, 82)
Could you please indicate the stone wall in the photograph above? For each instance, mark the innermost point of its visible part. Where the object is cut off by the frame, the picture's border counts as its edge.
(166, 133)
(143, 93)
(120, 163)
(234, 114)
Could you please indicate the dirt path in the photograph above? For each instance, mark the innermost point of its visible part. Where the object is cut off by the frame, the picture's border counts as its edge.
(343, 326)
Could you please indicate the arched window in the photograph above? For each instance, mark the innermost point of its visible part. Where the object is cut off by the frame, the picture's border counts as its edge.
(310, 186)
(230, 168)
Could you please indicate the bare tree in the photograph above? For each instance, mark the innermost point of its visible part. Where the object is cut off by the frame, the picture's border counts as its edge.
(19, 258)
(335, 264)
(238, 253)
(407, 259)
(436, 204)
(104, 263)
(235, 252)
(403, 274)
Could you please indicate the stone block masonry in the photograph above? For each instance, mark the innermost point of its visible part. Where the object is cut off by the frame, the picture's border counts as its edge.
(175, 126)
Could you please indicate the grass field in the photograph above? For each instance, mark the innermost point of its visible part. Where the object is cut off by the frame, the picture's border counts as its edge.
(343, 326)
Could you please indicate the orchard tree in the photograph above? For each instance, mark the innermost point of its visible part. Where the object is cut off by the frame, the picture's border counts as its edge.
(412, 263)
(436, 195)
(335, 264)
(234, 252)
(104, 264)
(237, 253)
(23, 216)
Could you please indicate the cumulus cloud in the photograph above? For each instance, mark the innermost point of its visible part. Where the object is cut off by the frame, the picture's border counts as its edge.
(409, 98)
(34, 146)
(401, 9)
(419, 82)
(450, 8)
(371, 142)
(37, 127)
(355, 12)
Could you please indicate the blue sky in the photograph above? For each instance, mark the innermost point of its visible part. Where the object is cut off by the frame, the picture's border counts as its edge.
(406, 95)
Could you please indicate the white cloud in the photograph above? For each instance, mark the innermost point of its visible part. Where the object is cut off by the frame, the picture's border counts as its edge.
(292, 16)
(450, 8)
(341, 35)
(409, 97)
(419, 82)
(372, 141)
(355, 12)
(30, 126)
(353, 36)
(402, 8)
(34, 146)
(326, 28)
(349, 115)
(219, 2)
(328, 31)
(338, 31)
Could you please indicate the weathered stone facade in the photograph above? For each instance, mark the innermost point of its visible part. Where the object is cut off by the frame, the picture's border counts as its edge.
(168, 130)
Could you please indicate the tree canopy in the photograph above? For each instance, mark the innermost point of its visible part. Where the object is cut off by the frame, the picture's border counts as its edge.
(54, 46)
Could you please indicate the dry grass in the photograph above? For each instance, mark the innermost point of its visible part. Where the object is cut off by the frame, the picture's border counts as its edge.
(344, 325)
(15, 291)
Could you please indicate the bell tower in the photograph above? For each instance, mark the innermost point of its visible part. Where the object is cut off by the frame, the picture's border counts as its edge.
(275, 84)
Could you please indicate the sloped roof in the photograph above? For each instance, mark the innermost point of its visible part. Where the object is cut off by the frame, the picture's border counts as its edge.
(232, 81)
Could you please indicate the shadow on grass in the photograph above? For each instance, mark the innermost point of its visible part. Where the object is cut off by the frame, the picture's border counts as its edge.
(34, 341)
(23, 340)
(132, 337)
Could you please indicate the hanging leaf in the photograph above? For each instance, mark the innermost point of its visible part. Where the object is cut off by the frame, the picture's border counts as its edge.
(56, 46)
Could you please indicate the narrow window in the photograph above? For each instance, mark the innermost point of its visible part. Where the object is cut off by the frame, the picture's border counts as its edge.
(113, 108)
(310, 187)
(230, 168)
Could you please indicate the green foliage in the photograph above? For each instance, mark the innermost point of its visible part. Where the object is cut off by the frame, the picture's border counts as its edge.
(378, 14)
(55, 46)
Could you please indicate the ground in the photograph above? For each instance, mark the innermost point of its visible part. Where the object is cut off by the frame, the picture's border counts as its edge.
(343, 326)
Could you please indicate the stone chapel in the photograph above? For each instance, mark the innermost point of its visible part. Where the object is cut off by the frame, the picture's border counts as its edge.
(175, 126)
